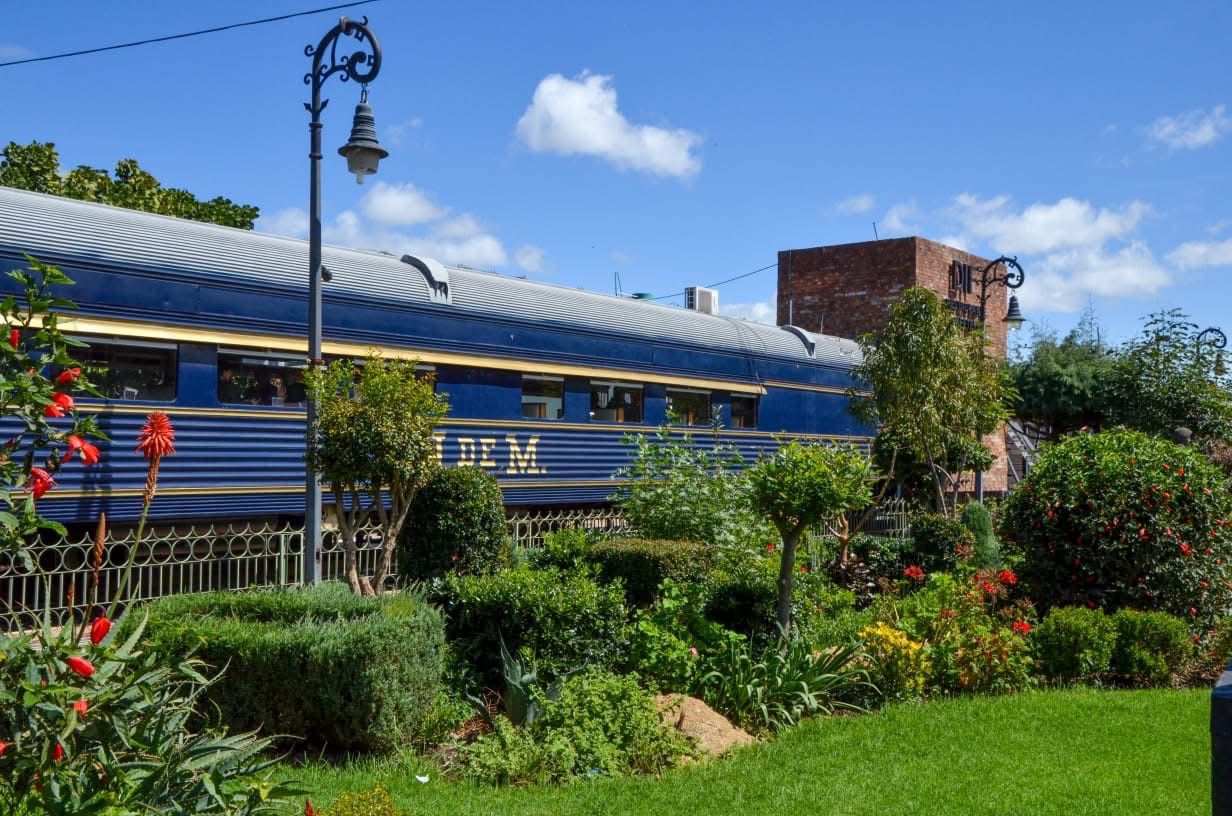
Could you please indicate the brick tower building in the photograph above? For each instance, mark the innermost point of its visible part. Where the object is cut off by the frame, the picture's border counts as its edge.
(847, 289)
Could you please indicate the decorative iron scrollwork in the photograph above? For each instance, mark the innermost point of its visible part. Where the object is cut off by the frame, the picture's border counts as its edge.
(360, 66)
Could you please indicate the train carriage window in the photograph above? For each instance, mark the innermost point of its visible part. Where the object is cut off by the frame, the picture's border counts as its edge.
(687, 406)
(743, 412)
(261, 378)
(130, 369)
(543, 397)
(615, 401)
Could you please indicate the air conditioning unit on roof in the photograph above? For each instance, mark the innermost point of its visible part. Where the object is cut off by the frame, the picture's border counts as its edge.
(701, 299)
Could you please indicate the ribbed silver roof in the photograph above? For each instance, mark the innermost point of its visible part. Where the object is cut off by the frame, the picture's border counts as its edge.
(50, 226)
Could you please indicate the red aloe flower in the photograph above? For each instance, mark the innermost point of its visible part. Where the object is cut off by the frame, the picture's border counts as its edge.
(1021, 627)
(99, 630)
(914, 572)
(81, 707)
(4, 746)
(89, 451)
(68, 376)
(80, 665)
(1007, 577)
(57, 753)
(14, 337)
(40, 482)
(769, 548)
(157, 437)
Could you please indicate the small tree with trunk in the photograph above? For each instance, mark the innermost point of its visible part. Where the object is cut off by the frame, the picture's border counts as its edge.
(372, 444)
(800, 486)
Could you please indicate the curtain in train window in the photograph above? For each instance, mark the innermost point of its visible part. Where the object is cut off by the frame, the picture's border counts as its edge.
(744, 412)
(615, 401)
(543, 397)
(129, 369)
(686, 406)
(258, 378)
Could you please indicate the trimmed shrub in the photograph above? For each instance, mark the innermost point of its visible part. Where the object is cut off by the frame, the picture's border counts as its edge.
(644, 564)
(456, 524)
(322, 665)
(885, 557)
(1150, 646)
(1121, 519)
(1073, 644)
(565, 619)
(976, 518)
(940, 542)
(565, 549)
(743, 601)
(371, 802)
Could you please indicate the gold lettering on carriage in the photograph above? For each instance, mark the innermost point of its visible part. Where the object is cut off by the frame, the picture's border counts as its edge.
(484, 452)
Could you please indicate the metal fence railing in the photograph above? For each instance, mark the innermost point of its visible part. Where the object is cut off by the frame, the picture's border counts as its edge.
(527, 529)
(890, 519)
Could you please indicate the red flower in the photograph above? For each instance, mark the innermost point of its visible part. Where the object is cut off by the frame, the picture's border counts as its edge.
(89, 452)
(1205, 584)
(309, 810)
(68, 375)
(1021, 627)
(157, 437)
(4, 746)
(1180, 471)
(57, 753)
(99, 630)
(81, 707)
(1007, 577)
(769, 548)
(803, 568)
(1186, 550)
(1193, 611)
(14, 337)
(80, 665)
(40, 482)
(914, 572)
(988, 588)
(60, 402)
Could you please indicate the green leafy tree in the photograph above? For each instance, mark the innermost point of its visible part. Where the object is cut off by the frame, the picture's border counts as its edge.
(36, 167)
(800, 486)
(1060, 384)
(1161, 379)
(372, 434)
(933, 386)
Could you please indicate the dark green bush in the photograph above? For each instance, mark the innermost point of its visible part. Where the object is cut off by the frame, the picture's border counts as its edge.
(1150, 646)
(565, 619)
(1122, 519)
(885, 557)
(1073, 644)
(565, 549)
(976, 518)
(644, 564)
(456, 524)
(940, 542)
(743, 600)
(321, 665)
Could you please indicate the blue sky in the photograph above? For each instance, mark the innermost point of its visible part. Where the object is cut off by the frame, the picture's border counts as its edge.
(680, 143)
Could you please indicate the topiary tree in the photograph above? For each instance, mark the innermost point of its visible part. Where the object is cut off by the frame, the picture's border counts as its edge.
(372, 437)
(797, 487)
(456, 524)
(976, 518)
(1122, 519)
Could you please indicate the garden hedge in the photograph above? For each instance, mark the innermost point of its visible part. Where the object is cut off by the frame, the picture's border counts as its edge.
(1150, 646)
(565, 619)
(322, 665)
(643, 564)
(456, 524)
(1073, 643)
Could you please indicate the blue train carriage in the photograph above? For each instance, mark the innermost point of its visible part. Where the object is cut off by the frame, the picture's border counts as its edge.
(207, 324)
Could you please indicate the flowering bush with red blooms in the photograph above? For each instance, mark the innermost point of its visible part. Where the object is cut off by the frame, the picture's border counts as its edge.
(914, 572)
(1121, 519)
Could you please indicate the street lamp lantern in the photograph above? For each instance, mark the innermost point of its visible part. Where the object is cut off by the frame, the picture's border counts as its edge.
(359, 64)
(362, 151)
(1013, 318)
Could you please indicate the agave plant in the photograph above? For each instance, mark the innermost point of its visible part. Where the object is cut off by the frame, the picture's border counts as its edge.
(524, 691)
(785, 685)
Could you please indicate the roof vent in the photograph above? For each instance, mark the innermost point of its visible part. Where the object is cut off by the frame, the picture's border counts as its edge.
(701, 299)
(436, 275)
(810, 345)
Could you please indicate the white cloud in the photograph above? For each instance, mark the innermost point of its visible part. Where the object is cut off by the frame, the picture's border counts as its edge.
(759, 312)
(399, 205)
(1067, 224)
(621, 257)
(1199, 254)
(529, 257)
(1219, 226)
(855, 205)
(399, 219)
(1190, 130)
(898, 219)
(394, 134)
(291, 222)
(12, 51)
(1062, 281)
(580, 117)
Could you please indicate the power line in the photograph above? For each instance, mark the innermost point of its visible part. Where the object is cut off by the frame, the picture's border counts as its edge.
(184, 35)
(720, 283)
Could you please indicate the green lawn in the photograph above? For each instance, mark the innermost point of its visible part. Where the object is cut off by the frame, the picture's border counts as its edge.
(1071, 753)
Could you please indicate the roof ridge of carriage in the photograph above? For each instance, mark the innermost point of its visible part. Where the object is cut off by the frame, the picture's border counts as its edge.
(53, 227)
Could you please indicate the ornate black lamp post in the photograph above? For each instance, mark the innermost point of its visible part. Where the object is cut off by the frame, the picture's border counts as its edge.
(363, 153)
(1011, 278)
(1216, 339)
